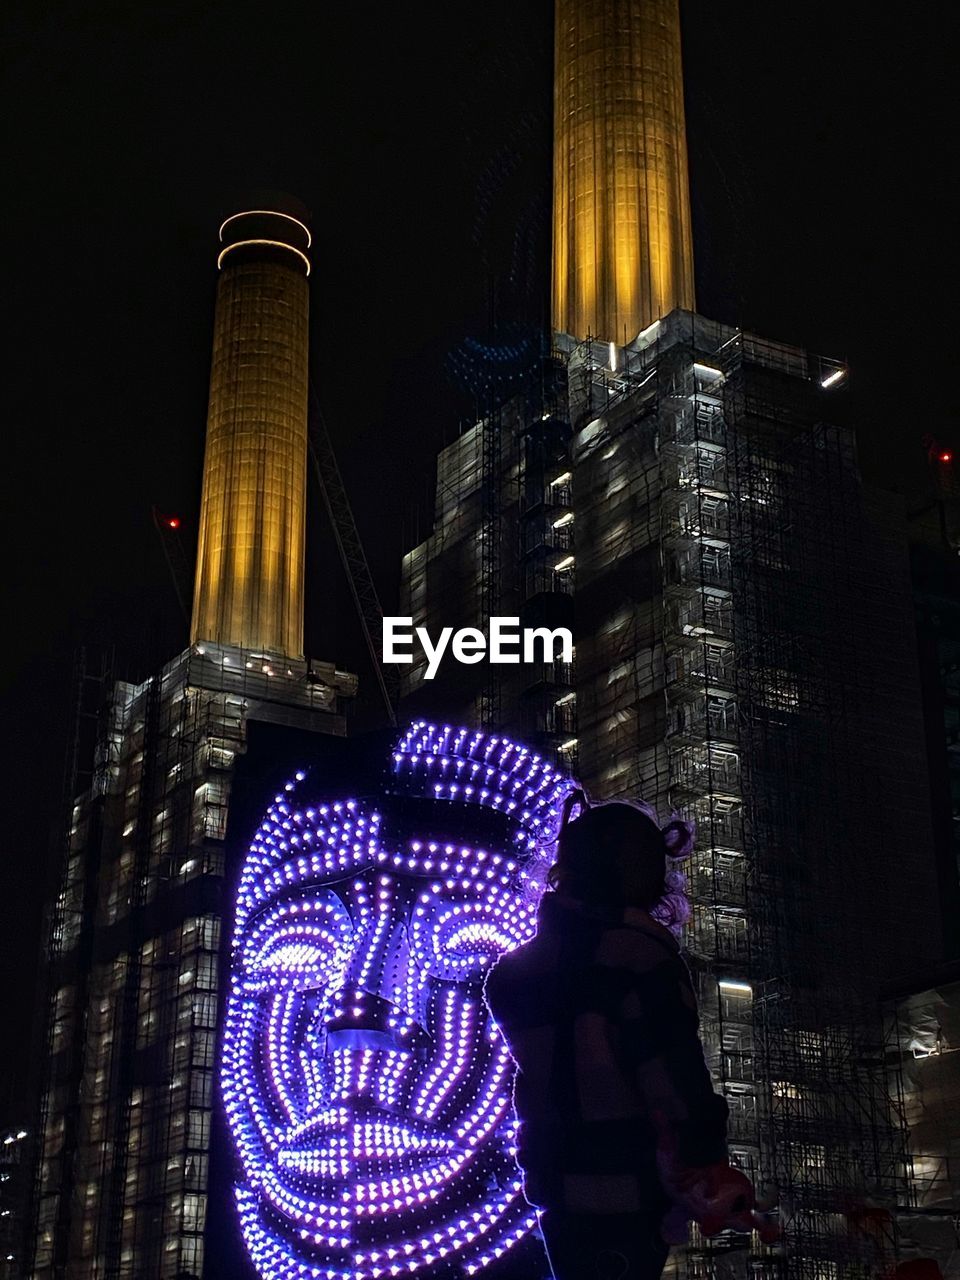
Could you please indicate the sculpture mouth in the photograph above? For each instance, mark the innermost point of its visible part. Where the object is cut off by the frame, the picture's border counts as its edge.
(337, 1146)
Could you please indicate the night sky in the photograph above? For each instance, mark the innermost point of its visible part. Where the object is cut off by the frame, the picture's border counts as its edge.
(823, 149)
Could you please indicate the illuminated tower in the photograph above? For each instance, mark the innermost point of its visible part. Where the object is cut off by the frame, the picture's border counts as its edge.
(622, 248)
(250, 552)
(126, 1126)
(672, 490)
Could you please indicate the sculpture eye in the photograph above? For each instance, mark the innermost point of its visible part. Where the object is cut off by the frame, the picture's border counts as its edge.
(302, 945)
(458, 933)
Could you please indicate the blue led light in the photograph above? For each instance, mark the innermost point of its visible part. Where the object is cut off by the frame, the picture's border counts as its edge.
(366, 1087)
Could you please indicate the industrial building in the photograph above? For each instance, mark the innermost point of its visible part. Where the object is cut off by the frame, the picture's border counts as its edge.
(134, 936)
(676, 491)
(923, 1038)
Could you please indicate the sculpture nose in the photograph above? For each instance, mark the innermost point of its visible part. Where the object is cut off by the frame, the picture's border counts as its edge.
(364, 1022)
(384, 989)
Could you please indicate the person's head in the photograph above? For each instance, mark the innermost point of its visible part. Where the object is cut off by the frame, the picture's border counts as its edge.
(616, 855)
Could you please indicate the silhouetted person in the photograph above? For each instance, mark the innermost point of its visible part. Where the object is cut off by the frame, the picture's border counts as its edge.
(601, 1018)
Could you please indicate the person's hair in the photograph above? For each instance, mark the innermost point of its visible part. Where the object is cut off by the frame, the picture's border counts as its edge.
(616, 854)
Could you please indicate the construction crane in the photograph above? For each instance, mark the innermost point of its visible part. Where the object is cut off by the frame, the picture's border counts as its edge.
(352, 555)
(168, 527)
(349, 546)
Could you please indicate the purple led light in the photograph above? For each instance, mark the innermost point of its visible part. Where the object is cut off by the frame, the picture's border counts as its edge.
(366, 1088)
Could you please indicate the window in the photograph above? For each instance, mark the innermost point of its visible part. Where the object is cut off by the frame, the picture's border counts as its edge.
(198, 1129)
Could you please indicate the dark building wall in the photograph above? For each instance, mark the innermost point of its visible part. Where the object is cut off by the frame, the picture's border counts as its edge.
(743, 654)
(127, 1089)
(935, 572)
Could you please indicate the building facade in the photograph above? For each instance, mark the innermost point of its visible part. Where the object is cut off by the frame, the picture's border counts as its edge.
(923, 1039)
(744, 655)
(673, 490)
(134, 935)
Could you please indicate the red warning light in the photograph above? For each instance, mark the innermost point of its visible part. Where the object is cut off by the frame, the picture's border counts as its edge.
(946, 456)
(173, 522)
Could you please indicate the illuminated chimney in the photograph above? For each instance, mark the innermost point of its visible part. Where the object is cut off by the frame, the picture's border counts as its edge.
(250, 553)
(622, 248)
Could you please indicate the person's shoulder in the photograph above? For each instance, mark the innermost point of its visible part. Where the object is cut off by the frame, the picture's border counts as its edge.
(638, 945)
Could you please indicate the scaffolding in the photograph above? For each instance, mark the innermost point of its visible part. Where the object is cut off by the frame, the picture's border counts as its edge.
(501, 544)
(133, 959)
(742, 617)
(922, 1040)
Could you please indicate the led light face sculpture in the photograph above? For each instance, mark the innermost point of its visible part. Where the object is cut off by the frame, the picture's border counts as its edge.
(367, 1090)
